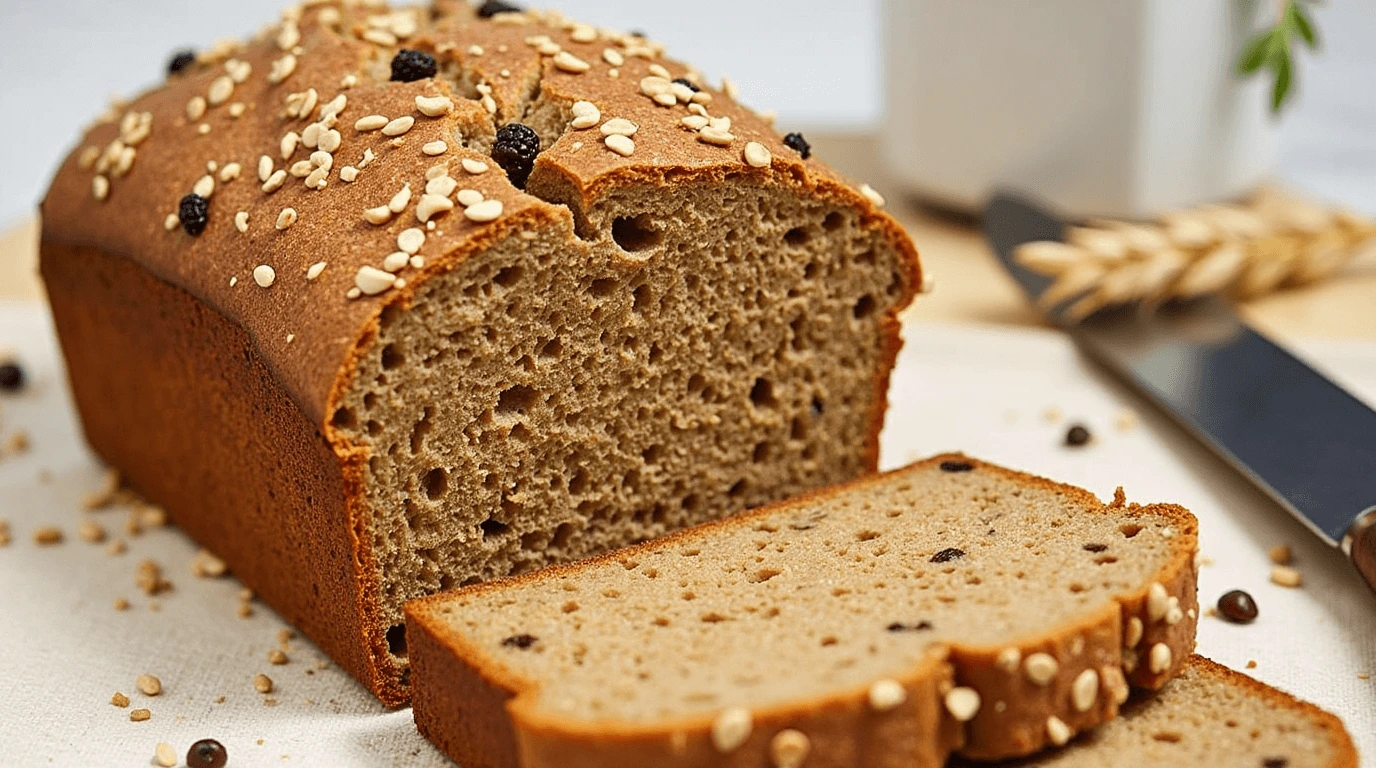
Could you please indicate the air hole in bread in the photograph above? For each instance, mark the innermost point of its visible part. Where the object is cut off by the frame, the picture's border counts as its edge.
(492, 528)
(392, 357)
(762, 394)
(796, 236)
(641, 298)
(737, 489)
(636, 233)
(833, 221)
(435, 483)
(601, 288)
(864, 307)
(761, 453)
(1170, 737)
(517, 399)
(344, 418)
(396, 640)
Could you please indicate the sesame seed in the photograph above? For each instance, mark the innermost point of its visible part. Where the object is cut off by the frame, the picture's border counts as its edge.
(230, 172)
(469, 197)
(275, 181)
(401, 199)
(434, 148)
(698, 109)
(330, 140)
(288, 36)
(1057, 731)
(205, 186)
(398, 126)
(348, 173)
(264, 276)
(485, 211)
(963, 703)
(349, 80)
(195, 108)
(1041, 668)
(238, 70)
(220, 90)
(314, 270)
(372, 281)
(728, 87)
(241, 221)
(653, 86)
(264, 168)
(139, 715)
(203, 129)
(282, 69)
(619, 126)
(716, 136)
(353, 293)
(694, 122)
(666, 99)
(884, 695)
(237, 109)
(1285, 576)
(789, 748)
(1085, 690)
(1173, 613)
(613, 57)
(1160, 659)
(276, 656)
(585, 115)
(583, 33)
(621, 145)
(310, 135)
(658, 70)
(331, 110)
(475, 50)
(682, 92)
(171, 222)
(288, 144)
(90, 531)
(322, 159)
(100, 187)
(368, 158)
(1134, 632)
(505, 72)
(286, 218)
(720, 123)
(148, 685)
(301, 168)
(443, 186)
(569, 63)
(614, 73)
(1009, 659)
(490, 104)
(88, 158)
(417, 262)
(1158, 601)
(370, 122)
(411, 240)
(380, 37)
(262, 683)
(379, 215)
(757, 155)
(233, 281)
(731, 729)
(434, 106)
(872, 196)
(165, 755)
(475, 167)
(395, 262)
(432, 205)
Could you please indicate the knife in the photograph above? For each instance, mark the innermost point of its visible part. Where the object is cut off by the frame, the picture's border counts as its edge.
(1299, 437)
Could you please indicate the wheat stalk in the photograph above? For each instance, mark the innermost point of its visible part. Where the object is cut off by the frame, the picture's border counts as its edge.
(1274, 241)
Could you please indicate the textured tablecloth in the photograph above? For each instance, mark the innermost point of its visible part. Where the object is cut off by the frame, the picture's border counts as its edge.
(64, 649)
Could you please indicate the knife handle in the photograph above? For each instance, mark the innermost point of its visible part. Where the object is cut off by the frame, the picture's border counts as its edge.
(1360, 545)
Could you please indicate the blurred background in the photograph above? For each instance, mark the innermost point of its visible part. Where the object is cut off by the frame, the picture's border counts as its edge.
(818, 63)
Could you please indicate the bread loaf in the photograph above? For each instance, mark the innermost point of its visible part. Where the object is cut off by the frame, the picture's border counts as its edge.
(322, 302)
(1208, 716)
(948, 606)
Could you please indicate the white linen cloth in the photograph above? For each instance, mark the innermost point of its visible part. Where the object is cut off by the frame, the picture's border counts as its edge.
(64, 650)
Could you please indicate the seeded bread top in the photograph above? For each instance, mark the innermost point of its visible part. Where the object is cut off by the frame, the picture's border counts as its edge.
(310, 102)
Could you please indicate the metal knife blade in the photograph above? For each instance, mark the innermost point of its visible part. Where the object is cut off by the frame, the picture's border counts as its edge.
(1302, 439)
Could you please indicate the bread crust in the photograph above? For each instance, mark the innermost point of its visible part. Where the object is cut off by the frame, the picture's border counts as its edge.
(302, 338)
(1092, 642)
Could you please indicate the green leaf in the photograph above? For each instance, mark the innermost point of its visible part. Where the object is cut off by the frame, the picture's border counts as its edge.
(1254, 53)
(1280, 91)
(1303, 24)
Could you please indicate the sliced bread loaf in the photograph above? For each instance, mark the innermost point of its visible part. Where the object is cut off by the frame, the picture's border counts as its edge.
(1209, 716)
(417, 297)
(950, 605)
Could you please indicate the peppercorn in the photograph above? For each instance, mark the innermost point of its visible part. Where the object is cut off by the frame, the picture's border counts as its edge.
(796, 142)
(687, 82)
(181, 60)
(11, 377)
(493, 7)
(409, 66)
(515, 150)
(1238, 607)
(207, 753)
(194, 212)
(1077, 436)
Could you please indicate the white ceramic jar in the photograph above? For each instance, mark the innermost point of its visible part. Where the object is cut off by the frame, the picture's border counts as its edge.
(1121, 108)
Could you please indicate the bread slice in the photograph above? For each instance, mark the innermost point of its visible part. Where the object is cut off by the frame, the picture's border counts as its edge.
(635, 343)
(1208, 716)
(949, 605)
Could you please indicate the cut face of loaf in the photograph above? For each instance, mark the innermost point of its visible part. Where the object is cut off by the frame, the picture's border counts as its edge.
(1209, 716)
(951, 605)
(557, 398)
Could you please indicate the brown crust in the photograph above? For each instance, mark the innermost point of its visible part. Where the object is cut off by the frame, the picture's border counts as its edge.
(1344, 751)
(1018, 731)
(302, 338)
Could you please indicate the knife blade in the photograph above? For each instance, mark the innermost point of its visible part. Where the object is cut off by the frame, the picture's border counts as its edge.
(1302, 439)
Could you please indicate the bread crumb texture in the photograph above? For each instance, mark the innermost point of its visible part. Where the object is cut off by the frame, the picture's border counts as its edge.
(880, 594)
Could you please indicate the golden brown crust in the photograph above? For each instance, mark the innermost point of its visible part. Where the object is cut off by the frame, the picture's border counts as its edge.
(1093, 642)
(303, 335)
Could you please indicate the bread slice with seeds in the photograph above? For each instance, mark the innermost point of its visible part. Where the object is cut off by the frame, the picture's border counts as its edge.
(452, 329)
(951, 606)
(1209, 715)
